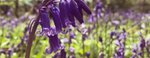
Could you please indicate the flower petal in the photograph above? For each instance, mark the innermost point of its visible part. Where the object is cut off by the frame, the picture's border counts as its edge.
(56, 17)
(44, 20)
(75, 11)
(54, 43)
(63, 12)
(84, 6)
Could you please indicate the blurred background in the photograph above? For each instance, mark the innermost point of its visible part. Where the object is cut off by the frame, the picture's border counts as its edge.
(110, 20)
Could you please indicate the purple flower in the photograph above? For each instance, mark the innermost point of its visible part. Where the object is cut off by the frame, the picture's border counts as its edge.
(142, 43)
(56, 18)
(54, 44)
(82, 5)
(44, 20)
(63, 53)
(70, 15)
(134, 49)
(98, 8)
(112, 34)
(64, 12)
(100, 39)
(72, 35)
(72, 50)
(92, 18)
(75, 11)
(88, 54)
(71, 18)
(10, 52)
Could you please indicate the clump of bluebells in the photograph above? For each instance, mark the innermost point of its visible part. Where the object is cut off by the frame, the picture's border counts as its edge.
(64, 14)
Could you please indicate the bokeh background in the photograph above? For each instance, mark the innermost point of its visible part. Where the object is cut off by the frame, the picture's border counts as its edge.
(111, 23)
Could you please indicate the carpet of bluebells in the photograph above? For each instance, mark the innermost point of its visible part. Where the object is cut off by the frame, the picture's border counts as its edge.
(74, 29)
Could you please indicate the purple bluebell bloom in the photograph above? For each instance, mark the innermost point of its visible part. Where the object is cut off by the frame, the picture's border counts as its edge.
(44, 20)
(75, 11)
(98, 8)
(142, 43)
(134, 49)
(64, 12)
(112, 34)
(56, 18)
(72, 36)
(100, 39)
(82, 5)
(70, 16)
(63, 53)
(88, 54)
(54, 44)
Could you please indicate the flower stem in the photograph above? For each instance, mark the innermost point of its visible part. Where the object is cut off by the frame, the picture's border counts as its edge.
(31, 37)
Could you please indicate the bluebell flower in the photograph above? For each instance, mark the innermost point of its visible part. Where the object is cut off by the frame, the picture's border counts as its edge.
(56, 17)
(63, 53)
(44, 20)
(82, 5)
(75, 11)
(98, 8)
(10, 52)
(54, 44)
(70, 15)
(64, 13)
(88, 54)
(100, 39)
(142, 43)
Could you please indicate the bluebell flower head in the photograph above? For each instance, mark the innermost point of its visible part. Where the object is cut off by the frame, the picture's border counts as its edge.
(83, 6)
(75, 11)
(56, 17)
(44, 20)
(63, 53)
(64, 13)
(54, 44)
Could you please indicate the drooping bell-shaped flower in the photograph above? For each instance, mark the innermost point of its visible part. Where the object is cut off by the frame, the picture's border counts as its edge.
(54, 44)
(63, 53)
(142, 43)
(44, 20)
(83, 6)
(88, 54)
(100, 39)
(75, 11)
(98, 8)
(70, 16)
(56, 17)
(64, 12)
